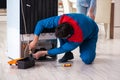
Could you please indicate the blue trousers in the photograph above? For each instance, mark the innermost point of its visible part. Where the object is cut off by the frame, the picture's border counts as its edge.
(88, 48)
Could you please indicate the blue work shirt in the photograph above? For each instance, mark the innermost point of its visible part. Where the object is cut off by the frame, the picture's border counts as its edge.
(83, 29)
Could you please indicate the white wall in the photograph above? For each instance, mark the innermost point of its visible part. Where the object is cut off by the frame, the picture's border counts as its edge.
(117, 13)
(13, 28)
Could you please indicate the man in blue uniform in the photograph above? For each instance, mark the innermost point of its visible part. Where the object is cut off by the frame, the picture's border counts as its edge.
(73, 30)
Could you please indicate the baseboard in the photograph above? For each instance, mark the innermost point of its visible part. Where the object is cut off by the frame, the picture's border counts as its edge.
(3, 18)
(117, 26)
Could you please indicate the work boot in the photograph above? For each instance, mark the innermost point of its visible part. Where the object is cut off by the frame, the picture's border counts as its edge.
(66, 57)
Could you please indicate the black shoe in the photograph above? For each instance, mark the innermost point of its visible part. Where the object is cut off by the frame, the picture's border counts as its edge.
(66, 57)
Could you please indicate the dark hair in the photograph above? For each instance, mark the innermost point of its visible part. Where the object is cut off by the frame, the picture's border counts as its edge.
(64, 30)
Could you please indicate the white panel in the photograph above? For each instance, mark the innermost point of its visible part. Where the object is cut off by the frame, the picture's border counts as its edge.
(103, 11)
(13, 28)
(2, 18)
(117, 13)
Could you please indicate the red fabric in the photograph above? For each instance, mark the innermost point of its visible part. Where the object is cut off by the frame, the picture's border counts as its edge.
(78, 35)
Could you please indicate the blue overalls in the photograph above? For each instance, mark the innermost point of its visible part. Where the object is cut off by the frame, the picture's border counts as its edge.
(85, 35)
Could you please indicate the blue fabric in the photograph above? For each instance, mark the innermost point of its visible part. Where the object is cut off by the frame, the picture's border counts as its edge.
(51, 22)
(84, 5)
(88, 48)
(89, 29)
(63, 49)
(66, 47)
(86, 24)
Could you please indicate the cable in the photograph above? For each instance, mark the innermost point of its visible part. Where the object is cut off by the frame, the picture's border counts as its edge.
(25, 27)
(24, 22)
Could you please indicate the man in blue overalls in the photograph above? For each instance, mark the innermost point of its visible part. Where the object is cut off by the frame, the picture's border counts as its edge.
(73, 30)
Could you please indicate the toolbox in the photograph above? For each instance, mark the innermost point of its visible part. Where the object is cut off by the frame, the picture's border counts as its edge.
(25, 63)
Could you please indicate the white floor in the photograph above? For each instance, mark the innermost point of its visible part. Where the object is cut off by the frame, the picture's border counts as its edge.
(105, 67)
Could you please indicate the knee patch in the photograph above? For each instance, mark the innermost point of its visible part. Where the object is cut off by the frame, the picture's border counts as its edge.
(87, 59)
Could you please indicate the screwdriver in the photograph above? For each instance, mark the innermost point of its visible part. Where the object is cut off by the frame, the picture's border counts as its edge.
(67, 65)
(64, 65)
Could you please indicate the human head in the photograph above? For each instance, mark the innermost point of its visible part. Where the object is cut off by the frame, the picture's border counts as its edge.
(64, 30)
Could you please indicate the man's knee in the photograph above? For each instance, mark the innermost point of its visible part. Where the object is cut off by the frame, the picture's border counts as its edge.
(88, 60)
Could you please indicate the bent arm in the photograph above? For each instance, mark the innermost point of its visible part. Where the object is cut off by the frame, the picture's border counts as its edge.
(69, 46)
(93, 4)
(51, 22)
(45, 23)
(91, 11)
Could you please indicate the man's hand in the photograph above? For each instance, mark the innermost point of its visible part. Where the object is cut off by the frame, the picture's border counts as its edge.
(32, 44)
(90, 13)
(39, 54)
